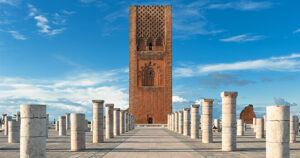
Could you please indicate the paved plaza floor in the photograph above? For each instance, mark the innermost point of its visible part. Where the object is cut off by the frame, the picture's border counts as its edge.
(150, 142)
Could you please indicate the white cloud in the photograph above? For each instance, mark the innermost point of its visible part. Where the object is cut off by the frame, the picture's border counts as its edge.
(242, 38)
(10, 2)
(281, 101)
(198, 101)
(289, 63)
(297, 31)
(43, 22)
(178, 99)
(69, 94)
(17, 35)
(246, 5)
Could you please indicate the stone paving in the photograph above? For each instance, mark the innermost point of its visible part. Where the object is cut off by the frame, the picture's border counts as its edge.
(150, 142)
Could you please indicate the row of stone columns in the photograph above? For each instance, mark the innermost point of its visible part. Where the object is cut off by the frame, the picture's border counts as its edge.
(186, 122)
(116, 122)
(32, 134)
(229, 125)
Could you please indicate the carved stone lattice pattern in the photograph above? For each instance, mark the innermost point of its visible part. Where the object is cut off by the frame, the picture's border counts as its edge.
(150, 24)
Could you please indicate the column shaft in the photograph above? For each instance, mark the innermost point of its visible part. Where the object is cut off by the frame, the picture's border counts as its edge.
(293, 129)
(122, 121)
(13, 132)
(33, 134)
(240, 127)
(78, 128)
(278, 128)
(62, 126)
(180, 122)
(186, 122)
(259, 126)
(206, 119)
(229, 121)
(98, 127)
(109, 108)
(116, 121)
(68, 121)
(195, 121)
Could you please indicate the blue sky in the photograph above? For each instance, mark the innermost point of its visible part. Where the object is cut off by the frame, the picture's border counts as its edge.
(66, 53)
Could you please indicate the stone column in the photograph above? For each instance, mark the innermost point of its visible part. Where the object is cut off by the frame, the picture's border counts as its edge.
(98, 129)
(259, 126)
(33, 134)
(297, 125)
(109, 109)
(116, 121)
(125, 122)
(254, 124)
(6, 119)
(13, 132)
(122, 123)
(229, 121)
(62, 126)
(265, 122)
(173, 122)
(86, 125)
(217, 124)
(18, 117)
(206, 119)
(292, 129)
(180, 122)
(278, 128)
(78, 127)
(186, 122)
(195, 121)
(133, 123)
(56, 125)
(176, 121)
(240, 127)
(129, 121)
(68, 121)
(91, 125)
(47, 125)
(168, 122)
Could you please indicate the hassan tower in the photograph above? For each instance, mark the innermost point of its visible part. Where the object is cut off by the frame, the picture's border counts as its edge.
(150, 63)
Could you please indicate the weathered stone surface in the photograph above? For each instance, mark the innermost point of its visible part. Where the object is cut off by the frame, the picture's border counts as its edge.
(248, 114)
(33, 131)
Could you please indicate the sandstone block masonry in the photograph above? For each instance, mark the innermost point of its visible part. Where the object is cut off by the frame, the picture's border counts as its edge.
(33, 134)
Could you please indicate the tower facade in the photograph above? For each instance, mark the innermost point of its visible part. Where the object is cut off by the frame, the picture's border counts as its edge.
(150, 63)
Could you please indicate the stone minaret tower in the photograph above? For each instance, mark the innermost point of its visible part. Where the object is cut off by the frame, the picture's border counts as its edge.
(150, 63)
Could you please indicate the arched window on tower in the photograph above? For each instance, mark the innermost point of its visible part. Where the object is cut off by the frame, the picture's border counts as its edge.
(148, 76)
(150, 46)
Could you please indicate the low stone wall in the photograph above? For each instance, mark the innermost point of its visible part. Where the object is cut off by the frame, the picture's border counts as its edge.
(151, 125)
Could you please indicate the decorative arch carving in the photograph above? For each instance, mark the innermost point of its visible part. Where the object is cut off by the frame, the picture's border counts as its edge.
(150, 74)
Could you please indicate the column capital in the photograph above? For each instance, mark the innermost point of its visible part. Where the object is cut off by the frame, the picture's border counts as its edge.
(186, 109)
(207, 100)
(109, 105)
(229, 94)
(117, 109)
(98, 101)
(195, 106)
